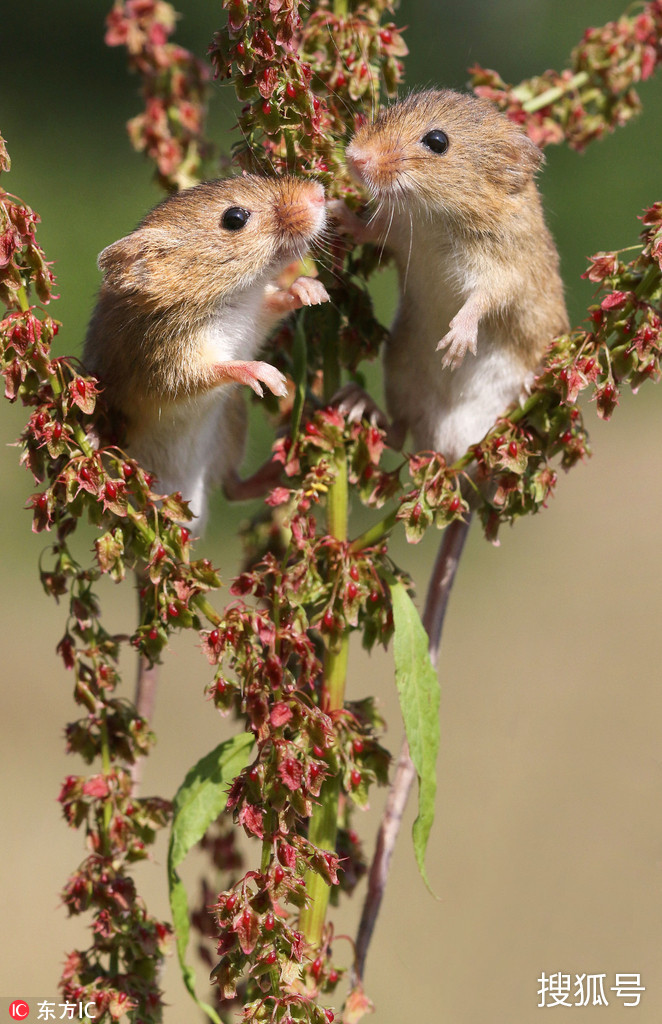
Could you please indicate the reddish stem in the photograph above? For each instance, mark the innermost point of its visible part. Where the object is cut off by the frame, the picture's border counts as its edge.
(436, 602)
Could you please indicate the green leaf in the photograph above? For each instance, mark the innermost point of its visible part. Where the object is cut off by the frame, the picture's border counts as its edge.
(200, 799)
(418, 690)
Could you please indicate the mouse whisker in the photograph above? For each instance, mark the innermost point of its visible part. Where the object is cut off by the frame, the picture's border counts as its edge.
(373, 217)
(333, 92)
(411, 242)
(259, 169)
(388, 231)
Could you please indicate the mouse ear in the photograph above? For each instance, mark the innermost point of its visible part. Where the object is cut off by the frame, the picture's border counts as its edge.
(521, 159)
(130, 263)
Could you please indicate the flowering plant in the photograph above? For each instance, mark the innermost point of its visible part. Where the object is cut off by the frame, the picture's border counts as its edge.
(304, 754)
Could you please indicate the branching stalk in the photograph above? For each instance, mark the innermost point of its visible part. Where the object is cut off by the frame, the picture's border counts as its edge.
(324, 821)
(553, 94)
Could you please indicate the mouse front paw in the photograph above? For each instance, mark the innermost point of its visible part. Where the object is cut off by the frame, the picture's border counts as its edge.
(304, 291)
(462, 337)
(308, 291)
(252, 373)
(349, 223)
(269, 375)
(356, 404)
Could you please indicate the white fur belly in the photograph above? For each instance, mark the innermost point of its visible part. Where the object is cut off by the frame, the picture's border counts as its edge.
(180, 445)
(448, 410)
(237, 330)
(485, 386)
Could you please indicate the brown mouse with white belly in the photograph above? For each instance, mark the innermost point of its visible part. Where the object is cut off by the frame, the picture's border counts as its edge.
(453, 180)
(186, 303)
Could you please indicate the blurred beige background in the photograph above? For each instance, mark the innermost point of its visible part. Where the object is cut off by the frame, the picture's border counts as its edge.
(545, 853)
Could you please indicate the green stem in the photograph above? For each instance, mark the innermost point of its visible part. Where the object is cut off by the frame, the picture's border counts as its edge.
(322, 832)
(81, 439)
(201, 602)
(324, 820)
(23, 299)
(106, 766)
(291, 152)
(340, 8)
(338, 501)
(552, 95)
(649, 283)
(375, 533)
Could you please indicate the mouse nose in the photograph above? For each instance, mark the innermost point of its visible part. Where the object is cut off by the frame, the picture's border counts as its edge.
(301, 211)
(316, 194)
(375, 166)
(358, 161)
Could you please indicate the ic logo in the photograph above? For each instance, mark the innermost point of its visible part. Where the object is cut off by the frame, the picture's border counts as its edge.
(19, 1009)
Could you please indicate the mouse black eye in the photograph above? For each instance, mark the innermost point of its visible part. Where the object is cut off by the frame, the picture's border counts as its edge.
(235, 218)
(436, 140)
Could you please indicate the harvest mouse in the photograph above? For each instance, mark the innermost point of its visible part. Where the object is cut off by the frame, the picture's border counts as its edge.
(480, 299)
(457, 205)
(186, 302)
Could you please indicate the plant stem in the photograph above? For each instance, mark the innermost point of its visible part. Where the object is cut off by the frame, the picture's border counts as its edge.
(290, 149)
(552, 95)
(375, 533)
(324, 820)
(201, 602)
(106, 766)
(436, 602)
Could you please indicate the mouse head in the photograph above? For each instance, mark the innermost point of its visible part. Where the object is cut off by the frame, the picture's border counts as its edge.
(447, 152)
(211, 241)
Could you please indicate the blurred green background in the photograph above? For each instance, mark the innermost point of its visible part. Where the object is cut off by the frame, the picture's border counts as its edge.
(546, 852)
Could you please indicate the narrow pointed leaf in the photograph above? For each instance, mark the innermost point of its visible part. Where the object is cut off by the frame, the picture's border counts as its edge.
(418, 690)
(200, 799)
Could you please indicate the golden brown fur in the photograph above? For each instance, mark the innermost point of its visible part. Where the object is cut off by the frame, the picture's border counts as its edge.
(478, 268)
(185, 305)
(164, 281)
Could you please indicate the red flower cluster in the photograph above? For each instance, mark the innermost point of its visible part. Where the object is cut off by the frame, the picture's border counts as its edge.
(595, 94)
(21, 259)
(304, 83)
(120, 971)
(269, 670)
(174, 85)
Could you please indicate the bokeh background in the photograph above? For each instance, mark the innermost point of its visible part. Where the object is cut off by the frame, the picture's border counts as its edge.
(545, 854)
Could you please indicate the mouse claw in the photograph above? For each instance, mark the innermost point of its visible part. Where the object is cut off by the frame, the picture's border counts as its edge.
(253, 374)
(356, 404)
(308, 291)
(269, 375)
(349, 223)
(305, 291)
(458, 343)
